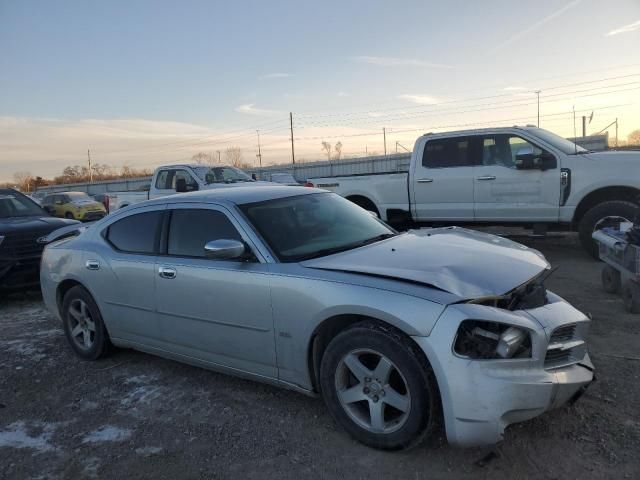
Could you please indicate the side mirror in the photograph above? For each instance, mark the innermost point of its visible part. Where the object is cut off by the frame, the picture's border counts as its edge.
(224, 249)
(525, 158)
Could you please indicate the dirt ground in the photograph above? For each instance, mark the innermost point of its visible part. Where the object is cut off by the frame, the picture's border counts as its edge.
(133, 415)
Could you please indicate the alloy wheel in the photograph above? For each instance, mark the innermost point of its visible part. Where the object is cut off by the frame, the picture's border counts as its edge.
(81, 325)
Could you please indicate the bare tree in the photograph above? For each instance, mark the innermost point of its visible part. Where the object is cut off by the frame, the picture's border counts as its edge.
(204, 158)
(234, 156)
(23, 180)
(326, 146)
(338, 149)
(634, 138)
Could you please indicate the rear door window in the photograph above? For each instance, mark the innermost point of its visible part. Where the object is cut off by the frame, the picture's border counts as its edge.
(448, 152)
(136, 233)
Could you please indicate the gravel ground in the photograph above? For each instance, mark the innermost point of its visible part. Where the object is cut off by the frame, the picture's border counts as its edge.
(133, 415)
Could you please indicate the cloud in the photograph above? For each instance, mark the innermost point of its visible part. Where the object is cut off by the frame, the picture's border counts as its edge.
(397, 62)
(419, 99)
(514, 89)
(342, 94)
(533, 27)
(632, 27)
(250, 109)
(274, 75)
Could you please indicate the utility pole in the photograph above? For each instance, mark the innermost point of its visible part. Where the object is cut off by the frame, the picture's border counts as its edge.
(538, 94)
(396, 146)
(90, 171)
(259, 152)
(293, 155)
(218, 155)
(584, 126)
(384, 135)
(616, 132)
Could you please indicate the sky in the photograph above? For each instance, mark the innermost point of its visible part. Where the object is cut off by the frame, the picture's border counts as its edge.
(144, 83)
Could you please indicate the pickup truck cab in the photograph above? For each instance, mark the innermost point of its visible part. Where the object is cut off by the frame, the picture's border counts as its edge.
(171, 179)
(519, 175)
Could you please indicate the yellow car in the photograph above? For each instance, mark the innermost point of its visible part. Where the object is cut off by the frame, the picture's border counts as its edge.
(76, 205)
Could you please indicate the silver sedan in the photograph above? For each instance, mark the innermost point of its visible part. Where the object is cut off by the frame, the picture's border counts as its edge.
(300, 288)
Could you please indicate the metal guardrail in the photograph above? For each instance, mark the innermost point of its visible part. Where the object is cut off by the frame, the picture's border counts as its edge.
(300, 171)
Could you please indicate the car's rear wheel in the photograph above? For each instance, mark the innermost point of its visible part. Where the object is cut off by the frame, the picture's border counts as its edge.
(69, 215)
(379, 387)
(83, 324)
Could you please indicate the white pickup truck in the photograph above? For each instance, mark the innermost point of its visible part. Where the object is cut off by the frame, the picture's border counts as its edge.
(500, 176)
(171, 179)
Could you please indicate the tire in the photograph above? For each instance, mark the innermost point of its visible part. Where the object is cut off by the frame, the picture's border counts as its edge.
(85, 322)
(69, 215)
(593, 218)
(631, 297)
(389, 370)
(611, 279)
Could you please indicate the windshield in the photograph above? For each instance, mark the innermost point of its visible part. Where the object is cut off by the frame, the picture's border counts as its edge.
(562, 144)
(78, 196)
(222, 175)
(16, 205)
(309, 226)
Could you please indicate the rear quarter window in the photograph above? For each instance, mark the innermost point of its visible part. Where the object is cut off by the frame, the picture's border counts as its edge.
(137, 233)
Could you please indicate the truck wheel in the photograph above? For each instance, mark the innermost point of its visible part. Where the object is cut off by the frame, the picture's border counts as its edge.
(605, 214)
(631, 297)
(378, 387)
(610, 279)
(365, 203)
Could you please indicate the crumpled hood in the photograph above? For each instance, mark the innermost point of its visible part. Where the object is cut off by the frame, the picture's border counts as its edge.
(463, 262)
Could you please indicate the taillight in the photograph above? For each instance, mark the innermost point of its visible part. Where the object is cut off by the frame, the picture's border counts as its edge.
(309, 184)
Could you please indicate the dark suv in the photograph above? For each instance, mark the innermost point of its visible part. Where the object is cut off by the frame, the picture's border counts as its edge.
(23, 224)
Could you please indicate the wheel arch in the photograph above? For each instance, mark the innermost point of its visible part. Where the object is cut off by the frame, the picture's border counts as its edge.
(604, 194)
(329, 328)
(364, 202)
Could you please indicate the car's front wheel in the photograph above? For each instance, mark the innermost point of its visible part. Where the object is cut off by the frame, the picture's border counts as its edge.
(83, 325)
(379, 387)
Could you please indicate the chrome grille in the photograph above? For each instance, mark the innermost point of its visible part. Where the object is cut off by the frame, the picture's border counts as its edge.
(21, 245)
(564, 333)
(566, 346)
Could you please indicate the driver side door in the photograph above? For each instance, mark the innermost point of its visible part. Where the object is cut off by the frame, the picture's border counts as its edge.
(217, 311)
(504, 193)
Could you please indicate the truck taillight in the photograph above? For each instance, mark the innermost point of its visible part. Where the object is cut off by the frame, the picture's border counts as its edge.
(309, 184)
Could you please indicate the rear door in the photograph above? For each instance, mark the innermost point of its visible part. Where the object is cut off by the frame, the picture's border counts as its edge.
(218, 311)
(123, 278)
(504, 193)
(442, 180)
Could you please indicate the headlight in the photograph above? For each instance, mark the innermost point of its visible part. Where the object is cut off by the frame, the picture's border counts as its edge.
(480, 339)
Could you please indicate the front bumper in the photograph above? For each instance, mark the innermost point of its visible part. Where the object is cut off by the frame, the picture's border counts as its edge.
(21, 273)
(480, 398)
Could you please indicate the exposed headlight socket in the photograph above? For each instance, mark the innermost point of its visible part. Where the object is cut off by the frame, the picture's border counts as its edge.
(481, 339)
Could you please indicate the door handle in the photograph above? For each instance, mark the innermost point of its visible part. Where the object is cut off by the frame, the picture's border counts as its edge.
(167, 272)
(487, 177)
(92, 265)
(425, 180)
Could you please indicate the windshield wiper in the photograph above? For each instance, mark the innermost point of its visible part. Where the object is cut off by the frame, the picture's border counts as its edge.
(350, 246)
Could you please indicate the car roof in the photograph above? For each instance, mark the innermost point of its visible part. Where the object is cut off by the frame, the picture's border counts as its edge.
(238, 195)
(8, 191)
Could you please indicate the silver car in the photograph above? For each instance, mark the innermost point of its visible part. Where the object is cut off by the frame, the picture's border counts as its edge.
(300, 288)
